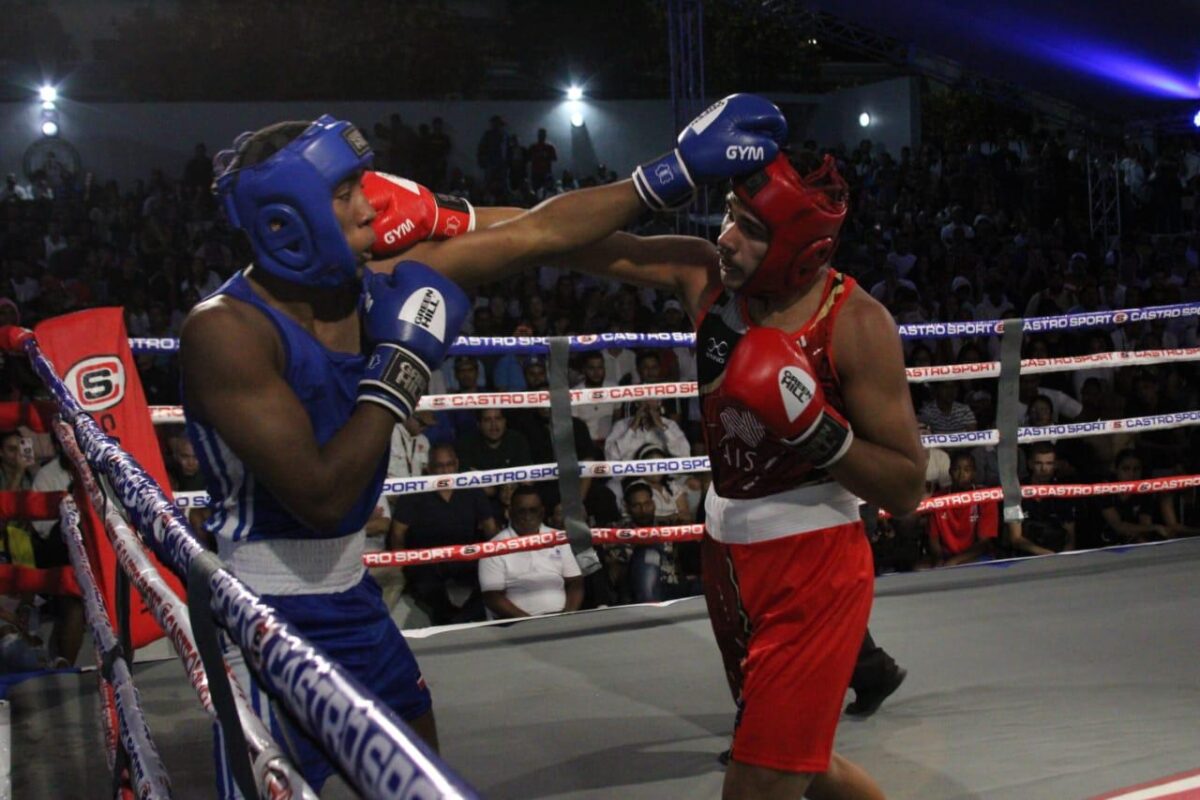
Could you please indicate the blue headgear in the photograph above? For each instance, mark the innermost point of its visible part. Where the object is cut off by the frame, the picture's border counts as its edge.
(284, 204)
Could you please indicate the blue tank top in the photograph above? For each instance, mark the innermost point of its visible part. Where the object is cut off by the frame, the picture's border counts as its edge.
(326, 383)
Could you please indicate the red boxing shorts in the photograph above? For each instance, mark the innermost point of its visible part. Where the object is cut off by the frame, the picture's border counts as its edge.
(789, 615)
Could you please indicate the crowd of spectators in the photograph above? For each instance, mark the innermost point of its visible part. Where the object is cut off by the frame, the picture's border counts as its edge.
(977, 230)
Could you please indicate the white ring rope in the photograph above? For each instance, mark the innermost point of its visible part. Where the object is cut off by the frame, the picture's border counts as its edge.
(467, 401)
(684, 533)
(533, 473)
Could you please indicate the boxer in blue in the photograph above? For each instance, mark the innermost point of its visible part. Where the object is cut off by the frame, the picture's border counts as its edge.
(297, 369)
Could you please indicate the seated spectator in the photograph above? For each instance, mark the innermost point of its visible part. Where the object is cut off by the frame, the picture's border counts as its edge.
(16, 462)
(410, 447)
(944, 413)
(649, 369)
(494, 445)
(466, 380)
(645, 562)
(183, 468)
(50, 550)
(670, 495)
(597, 416)
(1030, 386)
(447, 592)
(1168, 515)
(1128, 518)
(535, 581)
(1162, 451)
(509, 371)
(967, 533)
(646, 426)
(1049, 522)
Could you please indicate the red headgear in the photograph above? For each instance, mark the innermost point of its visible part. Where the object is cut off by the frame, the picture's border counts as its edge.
(803, 216)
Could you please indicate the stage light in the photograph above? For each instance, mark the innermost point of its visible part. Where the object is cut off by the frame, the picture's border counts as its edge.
(48, 120)
(864, 119)
(577, 120)
(48, 94)
(574, 93)
(1196, 119)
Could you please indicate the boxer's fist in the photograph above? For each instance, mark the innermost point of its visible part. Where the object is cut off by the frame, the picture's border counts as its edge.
(770, 375)
(412, 316)
(734, 136)
(406, 213)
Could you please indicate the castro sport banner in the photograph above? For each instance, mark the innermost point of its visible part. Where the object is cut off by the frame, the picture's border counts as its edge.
(90, 350)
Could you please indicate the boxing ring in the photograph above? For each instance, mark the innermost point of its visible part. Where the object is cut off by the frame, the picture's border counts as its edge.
(1067, 676)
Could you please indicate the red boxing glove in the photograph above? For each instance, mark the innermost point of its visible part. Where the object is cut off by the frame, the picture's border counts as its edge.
(406, 213)
(769, 374)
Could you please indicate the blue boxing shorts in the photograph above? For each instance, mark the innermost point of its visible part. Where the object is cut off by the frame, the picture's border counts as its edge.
(354, 629)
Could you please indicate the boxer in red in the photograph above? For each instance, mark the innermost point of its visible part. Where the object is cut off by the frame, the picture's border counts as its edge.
(806, 409)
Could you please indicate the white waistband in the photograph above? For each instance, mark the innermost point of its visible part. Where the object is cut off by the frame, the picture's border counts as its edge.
(296, 566)
(760, 519)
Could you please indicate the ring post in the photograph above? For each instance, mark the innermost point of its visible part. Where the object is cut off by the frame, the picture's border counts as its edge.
(562, 433)
(1007, 410)
(204, 627)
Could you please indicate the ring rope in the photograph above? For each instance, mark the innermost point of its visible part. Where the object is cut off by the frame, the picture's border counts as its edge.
(466, 401)
(694, 532)
(533, 473)
(275, 776)
(540, 345)
(149, 774)
(289, 666)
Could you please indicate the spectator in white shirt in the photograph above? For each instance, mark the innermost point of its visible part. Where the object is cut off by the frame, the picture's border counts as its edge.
(410, 447)
(597, 416)
(533, 582)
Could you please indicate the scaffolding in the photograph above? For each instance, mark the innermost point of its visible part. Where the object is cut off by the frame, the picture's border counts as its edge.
(1104, 196)
(685, 44)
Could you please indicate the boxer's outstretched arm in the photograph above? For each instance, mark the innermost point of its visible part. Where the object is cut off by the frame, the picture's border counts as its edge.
(885, 464)
(233, 375)
(685, 265)
(561, 223)
(485, 217)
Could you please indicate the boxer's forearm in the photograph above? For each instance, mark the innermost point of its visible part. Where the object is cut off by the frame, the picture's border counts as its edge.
(881, 476)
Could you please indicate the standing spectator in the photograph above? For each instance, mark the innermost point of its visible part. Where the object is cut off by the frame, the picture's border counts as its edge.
(518, 162)
(542, 156)
(967, 533)
(447, 592)
(14, 191)
(1049, 522)
(533, 582)
(403, 145)
(492, 155)
(198, 172)
(437, 149)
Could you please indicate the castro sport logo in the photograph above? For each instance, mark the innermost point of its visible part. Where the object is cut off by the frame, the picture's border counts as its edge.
(97, 383)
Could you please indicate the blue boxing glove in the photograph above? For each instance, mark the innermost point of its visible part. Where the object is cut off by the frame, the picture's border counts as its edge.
(734, 136)
(412, 316)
